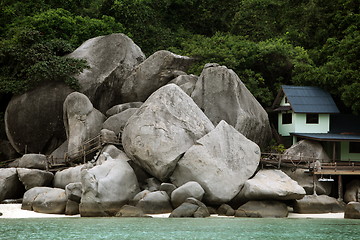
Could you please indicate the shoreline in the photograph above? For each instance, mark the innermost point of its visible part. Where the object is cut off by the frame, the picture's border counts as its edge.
(11, 210)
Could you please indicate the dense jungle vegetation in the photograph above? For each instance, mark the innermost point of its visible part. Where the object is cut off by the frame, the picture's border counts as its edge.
(266, 42)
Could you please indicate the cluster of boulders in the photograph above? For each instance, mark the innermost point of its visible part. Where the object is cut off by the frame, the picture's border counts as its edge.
(189, 145)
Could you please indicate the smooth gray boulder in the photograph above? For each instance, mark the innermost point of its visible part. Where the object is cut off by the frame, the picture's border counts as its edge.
(45, 200)
(69, 175)
(113, 152)
(117, 122)
(82, 122)
(306, 180)
(167, 187)
(33, 120)
(225, 210)
(163, 129)
(138, 197)
(111, 58)
(122, 107)
(107, 187)
(318, 204)
(189, 189)
(58, 155)
(306, 150)
(72, 208)
(271, 184)
(10, 185)
(155, 203)
(186, 83)
(156, 71)
(34, 177)
(352, 193)
(263, 209)
(220, 162)
(130, 211)
(74, 191)
(31, 160)
(190, 208)
(352, 210)
(222, 96)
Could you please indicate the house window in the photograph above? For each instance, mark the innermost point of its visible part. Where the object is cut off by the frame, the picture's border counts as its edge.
(312, 118)
(286, 118)
(286, 100)
(354, 147)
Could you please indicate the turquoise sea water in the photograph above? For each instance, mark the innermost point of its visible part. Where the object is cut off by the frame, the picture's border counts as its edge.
(184, 228)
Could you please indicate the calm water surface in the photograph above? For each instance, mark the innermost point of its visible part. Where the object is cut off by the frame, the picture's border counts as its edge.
(155, 228)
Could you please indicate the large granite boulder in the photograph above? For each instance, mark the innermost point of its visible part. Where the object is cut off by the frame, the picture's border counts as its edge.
(34, 177)
(352, 193)
(156, 71)
(306, 150)
(117, 122)
(220, 162)
(122, 107)
(167, 187)
(262, 209)
(33, 120)
(222, 96)
(111, 59)
(82, 122)
(45, 200)
(306, 180)
(107, 187)
(352, 210)
(163, 129)
(189, 189)
(155, 203)
(31, 160)
(191, 208)
(10, 185)
(318, 204)
(225, 210)
(69, 175)
(58, 155)
(186, 83)
(74, 191)
(272, 185)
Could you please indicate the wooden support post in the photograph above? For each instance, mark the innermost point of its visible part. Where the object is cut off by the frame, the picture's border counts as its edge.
(340, 188)
(84, 154)
(334, 152)
(314, 185)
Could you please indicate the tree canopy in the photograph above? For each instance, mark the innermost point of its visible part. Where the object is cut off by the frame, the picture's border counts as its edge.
(266, 42)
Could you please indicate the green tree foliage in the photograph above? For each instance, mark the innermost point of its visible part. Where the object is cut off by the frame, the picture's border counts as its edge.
(262, 66)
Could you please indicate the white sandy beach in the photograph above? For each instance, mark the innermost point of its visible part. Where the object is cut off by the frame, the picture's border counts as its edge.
(15, 211)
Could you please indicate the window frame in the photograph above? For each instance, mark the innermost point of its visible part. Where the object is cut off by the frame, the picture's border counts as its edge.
(312, 118)
(354, 147)
(286, 116)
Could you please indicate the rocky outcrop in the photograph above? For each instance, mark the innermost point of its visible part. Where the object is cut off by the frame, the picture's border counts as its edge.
(111, 58)
(10, 186)
(155, 203)
(189, 189)
(74, 191)
(306, 149)
(225, 210)
(272, 185)
(33, 120)
(163, 129)
(191, 208)
(130, 211)
(45, 200)
(352, 210)
(318, 204)
(122, 107)
(306, 180)
(117, 122)
(262, 209)
(33, 161)
(220, 162)
(352, 193)
(34, 177)
(156, 71)
(107, 187)
(69, 175)
(217, 89)
(186, 83)
(82, 122)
